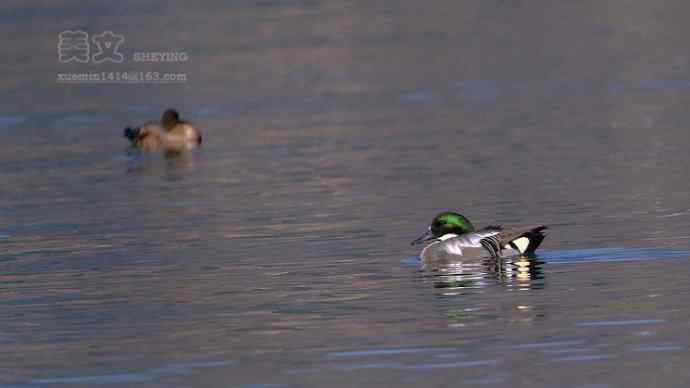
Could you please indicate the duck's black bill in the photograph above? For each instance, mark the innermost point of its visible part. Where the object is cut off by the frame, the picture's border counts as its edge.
(423, 238)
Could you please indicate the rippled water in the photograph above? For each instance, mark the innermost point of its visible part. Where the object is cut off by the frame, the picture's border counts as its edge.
(278, 255)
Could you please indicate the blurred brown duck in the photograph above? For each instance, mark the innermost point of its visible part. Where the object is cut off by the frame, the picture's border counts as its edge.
(169, 134)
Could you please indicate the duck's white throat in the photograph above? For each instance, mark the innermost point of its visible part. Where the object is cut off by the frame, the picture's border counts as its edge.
(447, 236)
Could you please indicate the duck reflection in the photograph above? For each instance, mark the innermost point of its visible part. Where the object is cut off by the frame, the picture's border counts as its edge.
(455, 283)
(521, 272)
(173, 163)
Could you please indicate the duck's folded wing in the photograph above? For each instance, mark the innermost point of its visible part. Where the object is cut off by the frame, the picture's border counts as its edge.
(488, 238)
(523, 240)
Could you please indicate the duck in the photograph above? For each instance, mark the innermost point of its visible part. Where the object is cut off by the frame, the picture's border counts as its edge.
(170, 133)
(452, 237)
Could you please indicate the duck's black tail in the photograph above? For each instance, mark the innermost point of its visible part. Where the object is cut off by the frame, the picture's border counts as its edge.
(528, 242)
(131, 133)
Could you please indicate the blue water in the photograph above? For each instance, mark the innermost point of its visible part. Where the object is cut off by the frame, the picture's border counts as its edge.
(278, 254)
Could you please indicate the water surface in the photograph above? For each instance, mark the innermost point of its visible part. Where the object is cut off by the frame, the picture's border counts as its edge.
(278, 255)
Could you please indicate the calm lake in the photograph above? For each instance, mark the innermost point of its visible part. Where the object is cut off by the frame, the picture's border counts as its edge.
(278, 254)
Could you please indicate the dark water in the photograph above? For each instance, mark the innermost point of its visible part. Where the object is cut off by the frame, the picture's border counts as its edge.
(278, 255)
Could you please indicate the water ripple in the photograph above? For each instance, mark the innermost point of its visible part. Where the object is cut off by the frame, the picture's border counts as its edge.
(610, 255)
(137, 377)
(387, 352)
(622, 323)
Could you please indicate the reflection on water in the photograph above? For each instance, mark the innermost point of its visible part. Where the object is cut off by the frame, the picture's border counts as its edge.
(457, 284)
(520, 272)
(171, 163)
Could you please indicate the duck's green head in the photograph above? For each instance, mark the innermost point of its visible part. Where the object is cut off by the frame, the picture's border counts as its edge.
(446, 223)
